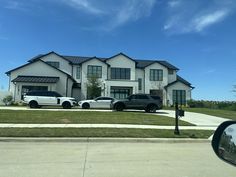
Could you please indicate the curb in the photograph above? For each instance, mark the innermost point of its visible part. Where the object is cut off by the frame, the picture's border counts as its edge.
(105, 140)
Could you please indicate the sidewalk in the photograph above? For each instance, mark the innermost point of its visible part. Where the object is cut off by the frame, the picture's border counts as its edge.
(106, 126)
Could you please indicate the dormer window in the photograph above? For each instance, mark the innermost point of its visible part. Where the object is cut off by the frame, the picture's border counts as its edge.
(170, 71)
(54, 64)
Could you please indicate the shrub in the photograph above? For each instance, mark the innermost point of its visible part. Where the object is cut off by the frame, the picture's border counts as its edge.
(226, 105)
(7, 100)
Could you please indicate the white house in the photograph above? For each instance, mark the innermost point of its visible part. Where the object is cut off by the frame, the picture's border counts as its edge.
(120, 76)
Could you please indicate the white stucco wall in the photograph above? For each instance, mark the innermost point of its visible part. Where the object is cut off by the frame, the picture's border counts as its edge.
(64, 65)
(149, 85)
(178, 86)
(172, 77)
(84, 80)
(39, 68)
(121, 61)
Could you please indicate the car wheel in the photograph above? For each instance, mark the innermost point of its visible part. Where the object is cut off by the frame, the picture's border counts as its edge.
(119, 107)
(33, 104)
(151, 108)
(85, 106)
(66, 105)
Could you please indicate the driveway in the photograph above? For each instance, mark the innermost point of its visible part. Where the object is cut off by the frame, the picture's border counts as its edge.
(194, 118)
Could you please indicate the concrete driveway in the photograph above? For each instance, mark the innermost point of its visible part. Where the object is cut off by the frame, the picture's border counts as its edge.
(194, 118)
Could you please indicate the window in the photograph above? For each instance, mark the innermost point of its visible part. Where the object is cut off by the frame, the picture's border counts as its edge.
(170, 71)
(77, 72)
(95, 71)
(54, 64)
(156, 74)
(139, 84)
(179, 96)
(142, 97)
(120, 73)
(120, 93)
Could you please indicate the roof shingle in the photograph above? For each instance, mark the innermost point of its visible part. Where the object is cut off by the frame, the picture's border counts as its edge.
(36, 79)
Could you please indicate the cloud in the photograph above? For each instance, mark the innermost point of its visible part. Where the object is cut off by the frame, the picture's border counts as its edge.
(132, 10)
(194, 17)
(85, 5)
(200, 23)
(13, 5)
(174, 3)
(114, 13)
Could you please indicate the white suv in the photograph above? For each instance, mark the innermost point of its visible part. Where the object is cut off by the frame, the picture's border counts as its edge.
(36, 99)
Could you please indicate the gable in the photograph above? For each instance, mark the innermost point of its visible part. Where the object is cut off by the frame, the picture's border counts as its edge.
(37, 68)
(121, 61)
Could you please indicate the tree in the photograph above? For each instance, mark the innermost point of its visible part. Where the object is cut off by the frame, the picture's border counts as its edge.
(93, 87)
(7, 100)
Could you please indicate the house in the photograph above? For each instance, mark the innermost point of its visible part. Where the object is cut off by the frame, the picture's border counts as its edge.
(120, 76)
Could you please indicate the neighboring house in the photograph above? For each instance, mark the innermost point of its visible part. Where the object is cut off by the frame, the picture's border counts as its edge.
(120, 76)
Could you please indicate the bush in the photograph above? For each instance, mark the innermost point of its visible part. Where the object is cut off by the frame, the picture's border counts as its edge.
(226, 105)
(7, 100)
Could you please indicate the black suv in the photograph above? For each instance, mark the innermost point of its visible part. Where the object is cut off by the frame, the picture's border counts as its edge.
(149, 103)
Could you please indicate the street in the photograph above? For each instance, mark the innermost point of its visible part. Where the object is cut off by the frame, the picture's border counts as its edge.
(108, 159)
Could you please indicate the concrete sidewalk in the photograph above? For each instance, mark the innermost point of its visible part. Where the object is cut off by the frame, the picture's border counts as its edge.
(106, 126)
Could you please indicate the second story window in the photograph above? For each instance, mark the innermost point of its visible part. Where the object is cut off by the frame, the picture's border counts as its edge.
(54, 64)
(170, 72)
(94, 71)
(120, 73)
(139, 83)
(156, 75)
(77, 72)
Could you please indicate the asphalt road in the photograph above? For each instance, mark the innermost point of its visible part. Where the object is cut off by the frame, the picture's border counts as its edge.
(100, 159)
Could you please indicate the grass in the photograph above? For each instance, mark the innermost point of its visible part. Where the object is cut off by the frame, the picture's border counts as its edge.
(214, 112)
(85, 117)
(102, 132)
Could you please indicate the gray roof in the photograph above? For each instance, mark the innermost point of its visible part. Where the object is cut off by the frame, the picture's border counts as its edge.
(180, 79)
(81, 59)
(145, 63)
(36, 79)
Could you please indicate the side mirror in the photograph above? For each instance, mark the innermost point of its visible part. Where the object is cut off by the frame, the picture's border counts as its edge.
(224, 142)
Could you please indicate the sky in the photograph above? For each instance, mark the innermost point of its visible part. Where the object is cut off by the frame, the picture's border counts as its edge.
(197, 36)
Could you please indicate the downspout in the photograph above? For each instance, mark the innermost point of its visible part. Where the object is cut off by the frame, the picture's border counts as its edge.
(9, 82)
(14, 91)
(67, 86)
(144, 82)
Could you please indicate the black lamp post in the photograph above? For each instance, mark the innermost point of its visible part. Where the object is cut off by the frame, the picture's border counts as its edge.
(176, 132)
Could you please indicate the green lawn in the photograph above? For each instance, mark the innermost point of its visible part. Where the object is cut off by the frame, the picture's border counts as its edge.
(214, 112)
(85, 117)
(101, 132)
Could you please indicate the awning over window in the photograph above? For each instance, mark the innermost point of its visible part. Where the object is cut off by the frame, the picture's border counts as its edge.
(36, 79)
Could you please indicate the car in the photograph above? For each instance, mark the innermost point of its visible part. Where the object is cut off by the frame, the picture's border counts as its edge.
(36, 99)
(149, 103)
(99, 102)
